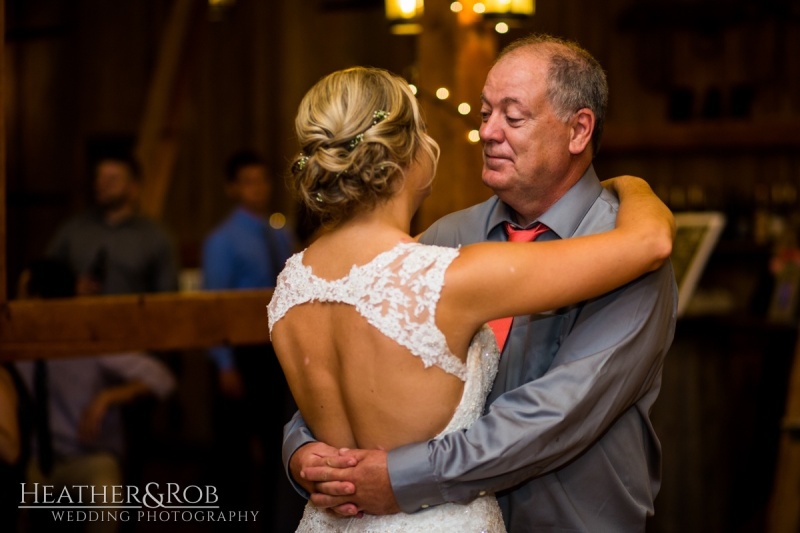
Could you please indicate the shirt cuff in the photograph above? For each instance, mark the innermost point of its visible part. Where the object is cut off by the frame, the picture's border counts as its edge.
(293, 441)
(412, 477)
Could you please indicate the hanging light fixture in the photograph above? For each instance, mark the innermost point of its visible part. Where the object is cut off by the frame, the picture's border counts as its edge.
(404, 16)
(509, 8)
(217, 8)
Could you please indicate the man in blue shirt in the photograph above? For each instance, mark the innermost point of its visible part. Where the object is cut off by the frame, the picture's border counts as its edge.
(246, 252)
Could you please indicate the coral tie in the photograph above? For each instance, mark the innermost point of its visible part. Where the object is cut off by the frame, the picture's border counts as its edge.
(502, 326)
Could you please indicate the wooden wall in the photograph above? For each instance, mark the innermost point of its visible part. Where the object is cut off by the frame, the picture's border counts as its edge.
(705, 103)
(78, 74)
(704, 100)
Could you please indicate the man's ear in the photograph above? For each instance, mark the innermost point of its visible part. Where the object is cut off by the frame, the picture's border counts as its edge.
(581, 129)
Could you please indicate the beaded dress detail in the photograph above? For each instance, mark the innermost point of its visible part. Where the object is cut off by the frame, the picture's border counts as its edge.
(397, 293)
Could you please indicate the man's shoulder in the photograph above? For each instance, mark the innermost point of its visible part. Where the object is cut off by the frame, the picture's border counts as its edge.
(150, 227)
(79, 221)
(230, 228)
(146, 221)
(462, 227)
(601, 216)
(218, 236)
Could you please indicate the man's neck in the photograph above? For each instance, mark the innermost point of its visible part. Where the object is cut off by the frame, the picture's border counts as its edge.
(261, 214)
(115, 217)
(527, 210)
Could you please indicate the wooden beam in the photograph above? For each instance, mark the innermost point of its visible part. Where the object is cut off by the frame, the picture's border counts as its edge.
(157, 143)
(108, 324)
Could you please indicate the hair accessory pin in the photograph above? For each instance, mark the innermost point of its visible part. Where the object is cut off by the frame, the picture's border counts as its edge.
(301, 163)
(377, 117)
(355, 141)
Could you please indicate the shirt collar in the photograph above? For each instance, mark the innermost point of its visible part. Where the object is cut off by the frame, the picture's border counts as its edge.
(245, 217)
(563, 217)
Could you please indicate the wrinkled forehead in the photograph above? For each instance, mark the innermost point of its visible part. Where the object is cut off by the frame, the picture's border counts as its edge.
(520, 76)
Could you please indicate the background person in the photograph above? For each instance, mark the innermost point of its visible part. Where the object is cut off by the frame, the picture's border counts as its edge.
(76, 416)
(246, 252)
(113, 248)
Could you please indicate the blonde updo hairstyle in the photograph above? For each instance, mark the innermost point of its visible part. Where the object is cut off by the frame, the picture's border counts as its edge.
(359, 129)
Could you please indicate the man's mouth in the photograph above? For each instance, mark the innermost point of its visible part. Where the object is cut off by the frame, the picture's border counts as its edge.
(495, 158)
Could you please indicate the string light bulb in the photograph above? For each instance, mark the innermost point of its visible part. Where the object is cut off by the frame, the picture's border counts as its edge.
(277, 220)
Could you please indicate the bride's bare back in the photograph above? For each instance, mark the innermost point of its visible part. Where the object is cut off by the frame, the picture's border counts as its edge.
(367, 366)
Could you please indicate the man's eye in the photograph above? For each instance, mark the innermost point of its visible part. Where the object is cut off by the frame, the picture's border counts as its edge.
(485, 115)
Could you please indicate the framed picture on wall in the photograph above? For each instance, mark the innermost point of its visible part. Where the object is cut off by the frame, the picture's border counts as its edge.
(697, 234)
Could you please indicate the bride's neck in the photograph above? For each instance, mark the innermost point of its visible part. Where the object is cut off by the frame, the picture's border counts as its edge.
(390, 217)
(358, 239)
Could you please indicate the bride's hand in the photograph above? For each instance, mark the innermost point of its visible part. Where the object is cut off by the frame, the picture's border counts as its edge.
(612, 184)
(313, 460)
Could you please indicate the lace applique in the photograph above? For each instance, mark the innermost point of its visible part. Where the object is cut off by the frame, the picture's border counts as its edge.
(397, 293)
(481, 516)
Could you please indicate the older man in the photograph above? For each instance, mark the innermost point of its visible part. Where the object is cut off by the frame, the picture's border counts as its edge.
(566, 442)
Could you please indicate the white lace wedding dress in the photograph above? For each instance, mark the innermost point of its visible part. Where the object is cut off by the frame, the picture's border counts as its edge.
(397, 293)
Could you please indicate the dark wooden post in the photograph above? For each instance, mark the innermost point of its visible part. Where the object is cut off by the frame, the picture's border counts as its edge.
(784, 511)
(158, 141)
(3, 211)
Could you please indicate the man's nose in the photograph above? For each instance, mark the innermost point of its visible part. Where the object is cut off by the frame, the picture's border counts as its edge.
(490, 131)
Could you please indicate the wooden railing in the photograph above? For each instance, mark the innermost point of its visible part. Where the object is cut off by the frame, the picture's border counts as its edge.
(109, 324)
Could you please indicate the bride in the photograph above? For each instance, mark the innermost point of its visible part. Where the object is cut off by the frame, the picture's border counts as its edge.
(383, 340)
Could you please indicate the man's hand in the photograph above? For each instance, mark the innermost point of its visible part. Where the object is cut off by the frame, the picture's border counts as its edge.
(369, 478)
(92, 418)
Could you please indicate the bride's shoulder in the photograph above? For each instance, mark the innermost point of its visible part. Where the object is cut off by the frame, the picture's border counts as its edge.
(423, 255)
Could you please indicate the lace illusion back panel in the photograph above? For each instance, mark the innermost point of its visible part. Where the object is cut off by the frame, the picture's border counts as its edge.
(397, 293)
